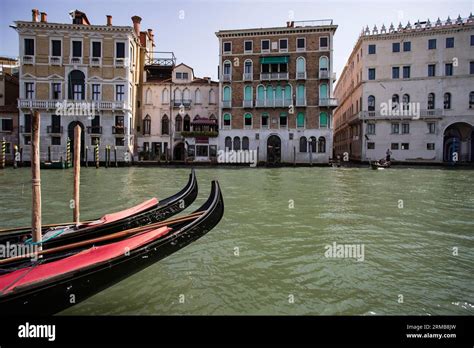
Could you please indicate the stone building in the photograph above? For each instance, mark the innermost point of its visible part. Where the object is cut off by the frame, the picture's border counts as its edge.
(82, 74)
(276, 91)
(409, 90)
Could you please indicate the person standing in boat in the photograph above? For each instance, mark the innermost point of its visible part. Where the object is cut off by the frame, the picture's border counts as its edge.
(388, 154)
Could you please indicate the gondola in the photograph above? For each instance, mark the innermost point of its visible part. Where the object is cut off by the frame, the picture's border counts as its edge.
(146, 213)
(47, 286)
(380, 165)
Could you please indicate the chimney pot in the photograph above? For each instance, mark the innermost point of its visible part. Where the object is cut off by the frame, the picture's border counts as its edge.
(44, 17)
(136, 24)
(109, 20)
(34, 15)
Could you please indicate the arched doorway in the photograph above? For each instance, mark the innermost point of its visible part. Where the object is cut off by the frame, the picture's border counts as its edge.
(178, 152)
(70, 134)
(273, 150)
(458, 143)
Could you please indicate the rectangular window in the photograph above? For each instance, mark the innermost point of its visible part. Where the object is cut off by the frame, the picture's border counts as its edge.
(77, 49)
(120, 50)
(472, 40)
(431, 127)
(431, 70)
(202, 150)
(27, 139)
(248, 46)
(407, 46)
(371, 146)
(432, 44)
(372, 49)
(396, 47)
(405, 146)
(227, 47)
(283, 45)
(95, 140)
(56, 89)
(95, 122)
(56, 48)
(179, 75)
(119, 141)
(323, 42)
(95, 92)
(395, 72)
(283, 121)
(405, 128)
(371, 73)
(77, 91)
(449, 42)
(119, 92)
(395, 128)
(406, 72)
(55, 140)
(471, 68)
(430, 146)
(27, 123)
(29, 90)
(29, 47)
(96, 49)
(394, 146)
(7, 125)
(185, 76)
(300, 44)
(264, 121)
(371, 128)
(265, 46)
(448, 69)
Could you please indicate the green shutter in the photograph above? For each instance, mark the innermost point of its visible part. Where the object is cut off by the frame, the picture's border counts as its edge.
(226, 117)
(300, 120)
(247, 115)
(248, 93)
(323, 119)
(274, 60)
(269, 93)
(260, 93)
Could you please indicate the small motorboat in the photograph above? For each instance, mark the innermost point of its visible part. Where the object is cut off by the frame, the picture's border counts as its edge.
(381, 164)
(78, 271)
(148, 212)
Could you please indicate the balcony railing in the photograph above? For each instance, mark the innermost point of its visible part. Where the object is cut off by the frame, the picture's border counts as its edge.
(328, 102)
(226, 104)
(54, 60)
(405, 114)
(54, 129)
(185, 102)
(323, 74)
(301, 75)
(25, 130)
(95, 61)
(28, 60)
(77, 104)
(94, 129)
(76, 60)
(300, 101)
(274, 103)
(260, 103)
(248, 103)
(248, 77)
(226, 77)
(119, 130)
(119, 62)
(274, 76)
(431, 112)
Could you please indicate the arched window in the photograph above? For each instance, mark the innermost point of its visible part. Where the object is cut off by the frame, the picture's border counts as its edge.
(227, 70)
(165, 125)
(300, 120)
(371, 103)
(248, 120)
(322, 145)
(323, 91)
(395, 102)
(278, 96)
(76, 85)
(236, 143)
(186, 95)
(323, 63)
(227, 118)
(447, 100)
(212, 96)
(300, 66)
(177, 96)
(260, 95)
(323, 119)
(312, 145)
(226, 95)
(471, 100)
(248, 70)
(270, 97)
(179, 123)
(288, 95)
(300, 95)
(248, 93)
(303, 144)
(245, 143)
(187, 123)
(165, 96)
(406, 102)
(431, 101)
(197, 96)
(148, 96)
(228, 143)
(147, 125)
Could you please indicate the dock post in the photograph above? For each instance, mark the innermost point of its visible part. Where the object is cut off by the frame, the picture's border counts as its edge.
(294, 156)
(115, 156)
(97, 156)
(36, 180)
(68, 153)
(106, 156)
(87, 151)
(16, 156)
(49, 153)
(77, 172)
(21, 156)
(4, 151)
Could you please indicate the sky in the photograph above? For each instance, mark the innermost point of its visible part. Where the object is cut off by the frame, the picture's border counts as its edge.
(187, 27)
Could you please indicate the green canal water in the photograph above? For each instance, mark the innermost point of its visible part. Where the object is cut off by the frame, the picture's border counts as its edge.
(267, 255)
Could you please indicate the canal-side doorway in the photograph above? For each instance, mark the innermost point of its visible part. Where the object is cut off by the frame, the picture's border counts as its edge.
(70, 134)
(457, 144)
(178, 152)
(273, 150)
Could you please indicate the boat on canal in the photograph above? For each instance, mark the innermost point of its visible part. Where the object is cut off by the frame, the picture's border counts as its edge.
(382, 164)
(80, 270)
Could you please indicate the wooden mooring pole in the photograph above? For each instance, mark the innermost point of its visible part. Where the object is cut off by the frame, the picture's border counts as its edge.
(4, 151)
(77, 172)
(36, 179)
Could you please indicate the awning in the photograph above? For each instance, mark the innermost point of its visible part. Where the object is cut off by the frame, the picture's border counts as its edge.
(204, 122)
(274, 60)
(248, 116)
(265, 114)
(227, 117)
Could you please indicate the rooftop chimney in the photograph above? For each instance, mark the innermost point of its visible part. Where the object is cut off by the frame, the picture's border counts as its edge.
(290, 24)
(44, 17)
(34, 15)
(136, 24)
(109, 20)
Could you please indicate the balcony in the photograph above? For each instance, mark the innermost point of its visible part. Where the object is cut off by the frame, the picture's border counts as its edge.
(119, 62)
(300, 101)
(226, 77)
(248, 103)
(25, 130)
(54, 129)
(95, 61)
(54, 60)
(75, 104)
(323, 74)
(184, 102)
(226, 104)
(260, 103)
(277, 76)
(119, 130)
(400, 115)
(28, 60)
(76, 60)
(328, 102)
(248, 77)
(94, 129)
(432, 113)
(301, 75)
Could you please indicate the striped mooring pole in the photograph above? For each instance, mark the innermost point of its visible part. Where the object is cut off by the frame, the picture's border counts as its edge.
(97, 155)
(68, 153)
(16, 157)
(4, 152)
